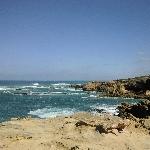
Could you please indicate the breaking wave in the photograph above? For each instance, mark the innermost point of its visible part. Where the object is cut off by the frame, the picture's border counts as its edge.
(52, 112)
(111, 109)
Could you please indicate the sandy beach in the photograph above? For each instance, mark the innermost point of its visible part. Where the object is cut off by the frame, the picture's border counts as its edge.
(80, 131)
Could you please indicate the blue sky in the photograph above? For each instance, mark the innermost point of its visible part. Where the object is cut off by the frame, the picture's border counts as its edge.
(74, 39)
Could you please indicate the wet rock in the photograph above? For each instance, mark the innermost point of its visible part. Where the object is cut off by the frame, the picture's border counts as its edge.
(98, 110)
(140, 110)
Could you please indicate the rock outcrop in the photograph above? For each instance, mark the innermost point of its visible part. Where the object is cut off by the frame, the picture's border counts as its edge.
(138, 87)
(140, 110)
(105, 128)
(139, 113)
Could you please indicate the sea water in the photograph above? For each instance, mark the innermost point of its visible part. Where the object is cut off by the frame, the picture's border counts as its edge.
(51, 99)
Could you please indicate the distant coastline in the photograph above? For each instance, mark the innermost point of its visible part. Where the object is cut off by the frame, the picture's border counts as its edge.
(137, 87)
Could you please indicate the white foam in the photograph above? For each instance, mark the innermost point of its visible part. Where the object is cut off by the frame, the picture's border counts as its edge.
(93, 96)
(70, 89)
(29, 86)
(44, 93)
(39, 93)
(2, 89)
(83, 93)
(107, 97)
(56, 92)
(128, 98)
(5, 88)
(34, 87)
(111, 109)
(57, 88)
(61, 84)
(41, 87)
(36, 84)
(7, 92)
(52, 112)
(74, 94)
(84, 97)
(94, 92)
(73, 89)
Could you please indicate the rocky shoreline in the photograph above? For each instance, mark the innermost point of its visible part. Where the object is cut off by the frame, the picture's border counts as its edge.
(138, 87)
(85, 131)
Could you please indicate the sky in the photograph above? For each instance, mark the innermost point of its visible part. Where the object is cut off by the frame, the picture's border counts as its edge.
(74, 39)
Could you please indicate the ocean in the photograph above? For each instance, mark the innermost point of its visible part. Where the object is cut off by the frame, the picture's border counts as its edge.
(51, 99)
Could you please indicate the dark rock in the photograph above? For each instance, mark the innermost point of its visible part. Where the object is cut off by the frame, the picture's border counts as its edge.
(101, 129)
(74, 148)
(81, 123)
(98, 110)
(18, 89)
(140, 110)
(76, 86)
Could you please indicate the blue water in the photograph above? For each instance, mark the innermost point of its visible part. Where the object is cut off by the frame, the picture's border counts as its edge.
(50, 99)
